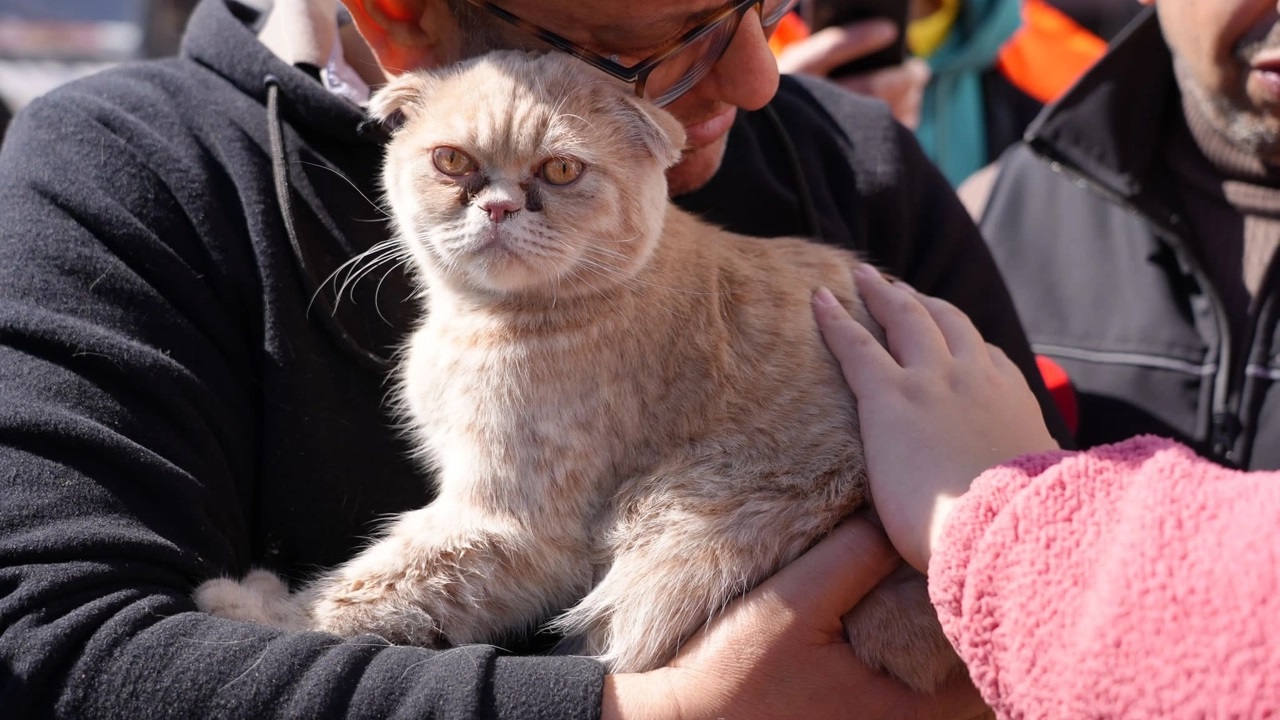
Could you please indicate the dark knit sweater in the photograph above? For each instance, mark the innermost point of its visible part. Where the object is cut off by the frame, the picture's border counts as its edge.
(182, 399)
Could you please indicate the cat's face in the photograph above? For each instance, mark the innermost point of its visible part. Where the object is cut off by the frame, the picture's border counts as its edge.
(522, 175)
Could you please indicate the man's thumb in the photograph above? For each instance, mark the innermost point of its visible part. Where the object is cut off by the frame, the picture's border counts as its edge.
(834, 575)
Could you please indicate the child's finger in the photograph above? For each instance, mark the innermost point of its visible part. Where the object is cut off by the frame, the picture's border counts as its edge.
(962, 337)
(913, 336)
(863, 360)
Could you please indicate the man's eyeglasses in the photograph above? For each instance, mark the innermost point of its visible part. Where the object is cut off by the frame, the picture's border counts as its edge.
(680, 63)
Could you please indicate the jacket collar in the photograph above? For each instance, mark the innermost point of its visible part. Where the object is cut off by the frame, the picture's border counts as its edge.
(301, 31)
(222, 35)
(322, 153)
(1108, 127)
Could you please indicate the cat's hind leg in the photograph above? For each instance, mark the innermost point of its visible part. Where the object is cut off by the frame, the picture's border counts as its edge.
(660, 589)
(895, 628)
(684, 544)
(693, 541)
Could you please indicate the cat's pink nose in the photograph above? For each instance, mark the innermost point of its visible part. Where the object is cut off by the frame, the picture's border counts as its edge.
(499, 208)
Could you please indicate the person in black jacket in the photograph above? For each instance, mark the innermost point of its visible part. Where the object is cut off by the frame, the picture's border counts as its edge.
(186, 394)
(1137, 229)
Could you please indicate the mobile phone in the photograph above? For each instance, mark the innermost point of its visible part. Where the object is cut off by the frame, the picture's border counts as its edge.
(819, 14)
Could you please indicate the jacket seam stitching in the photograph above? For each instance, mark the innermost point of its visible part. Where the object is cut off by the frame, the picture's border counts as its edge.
(1262, 371)
(1105, 357)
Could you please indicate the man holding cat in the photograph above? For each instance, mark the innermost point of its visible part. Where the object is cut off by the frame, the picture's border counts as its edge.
(185, 396)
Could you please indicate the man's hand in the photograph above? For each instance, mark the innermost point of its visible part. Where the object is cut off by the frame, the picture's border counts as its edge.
(780, 651)
(901, 86)
(935, 410)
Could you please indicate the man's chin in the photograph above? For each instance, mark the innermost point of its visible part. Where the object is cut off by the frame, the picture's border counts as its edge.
(696, 168)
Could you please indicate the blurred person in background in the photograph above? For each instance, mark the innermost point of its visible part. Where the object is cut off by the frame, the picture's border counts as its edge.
(1137, 227)
(45, 44)
(978, 71)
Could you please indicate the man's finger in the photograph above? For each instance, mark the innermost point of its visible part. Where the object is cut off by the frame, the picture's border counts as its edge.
(829, 579)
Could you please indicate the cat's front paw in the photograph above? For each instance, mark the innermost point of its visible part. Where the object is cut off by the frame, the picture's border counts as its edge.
(386, 607)
(260, 597)
(896, 629)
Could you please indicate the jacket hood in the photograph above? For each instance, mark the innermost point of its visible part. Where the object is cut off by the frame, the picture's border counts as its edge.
(321, 153)
(1109, 125)
(222, 36)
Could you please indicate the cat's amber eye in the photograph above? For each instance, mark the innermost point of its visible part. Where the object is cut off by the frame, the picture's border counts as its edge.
(452, 161)
(561, 170)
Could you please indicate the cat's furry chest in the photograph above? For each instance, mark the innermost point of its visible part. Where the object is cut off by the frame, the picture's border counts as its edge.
(496, 407)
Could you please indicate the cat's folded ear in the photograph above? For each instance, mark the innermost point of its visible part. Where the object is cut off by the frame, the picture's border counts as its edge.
(402, 97)
(657, 130)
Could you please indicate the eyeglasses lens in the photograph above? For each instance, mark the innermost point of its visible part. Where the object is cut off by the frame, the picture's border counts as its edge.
(675, 75)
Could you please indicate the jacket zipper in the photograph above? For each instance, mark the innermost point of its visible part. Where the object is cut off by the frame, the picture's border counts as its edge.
(1224, 401)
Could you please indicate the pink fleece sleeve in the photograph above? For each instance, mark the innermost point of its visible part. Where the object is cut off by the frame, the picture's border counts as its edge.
(1134, 580)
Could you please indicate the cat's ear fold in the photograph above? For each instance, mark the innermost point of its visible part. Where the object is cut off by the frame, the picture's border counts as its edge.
(657, 130)
(403, 96)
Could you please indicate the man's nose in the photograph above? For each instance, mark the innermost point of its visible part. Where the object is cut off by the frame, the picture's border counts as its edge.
(747, 74)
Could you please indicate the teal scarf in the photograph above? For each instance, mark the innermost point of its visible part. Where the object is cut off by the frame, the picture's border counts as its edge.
(952, 126)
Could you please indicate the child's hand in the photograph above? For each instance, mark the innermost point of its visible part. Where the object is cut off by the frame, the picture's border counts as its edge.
(936, 409)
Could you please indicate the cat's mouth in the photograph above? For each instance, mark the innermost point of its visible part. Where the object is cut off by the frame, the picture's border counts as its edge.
(501, 259)
(493, 249)
(493, 241)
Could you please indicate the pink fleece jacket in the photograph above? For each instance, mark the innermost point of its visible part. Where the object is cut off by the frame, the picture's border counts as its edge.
(1135, 580)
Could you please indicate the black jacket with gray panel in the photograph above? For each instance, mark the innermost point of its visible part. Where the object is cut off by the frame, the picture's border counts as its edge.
(1089, 238)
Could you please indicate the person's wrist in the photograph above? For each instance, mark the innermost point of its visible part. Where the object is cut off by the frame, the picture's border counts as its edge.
(943, 506)
(638, 696)
(914, 522)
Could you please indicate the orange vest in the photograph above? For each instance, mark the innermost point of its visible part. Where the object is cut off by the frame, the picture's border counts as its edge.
(790, 29)
(1042, 59)
(1048, 53)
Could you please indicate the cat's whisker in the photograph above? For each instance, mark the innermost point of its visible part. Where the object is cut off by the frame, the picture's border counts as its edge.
(392, 258)
(378, 288)
(639, 285)
(598, 291)
(647, 283)
(376, 255)
(384, 211)
(573, 232)
(370, 262)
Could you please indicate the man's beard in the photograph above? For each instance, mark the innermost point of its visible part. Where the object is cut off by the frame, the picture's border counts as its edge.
(1250, 129)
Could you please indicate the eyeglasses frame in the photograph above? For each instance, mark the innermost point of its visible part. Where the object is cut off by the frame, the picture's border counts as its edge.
(637, 74)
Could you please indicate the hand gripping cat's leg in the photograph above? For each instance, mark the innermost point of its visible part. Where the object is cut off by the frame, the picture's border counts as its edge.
(445, 575)
(895, 628)
(682, 552)
(676, 564)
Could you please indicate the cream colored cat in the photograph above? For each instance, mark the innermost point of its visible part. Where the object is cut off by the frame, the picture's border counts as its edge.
(630, 413)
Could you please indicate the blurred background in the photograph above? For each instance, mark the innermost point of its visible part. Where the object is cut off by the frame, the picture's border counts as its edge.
(46, 42)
